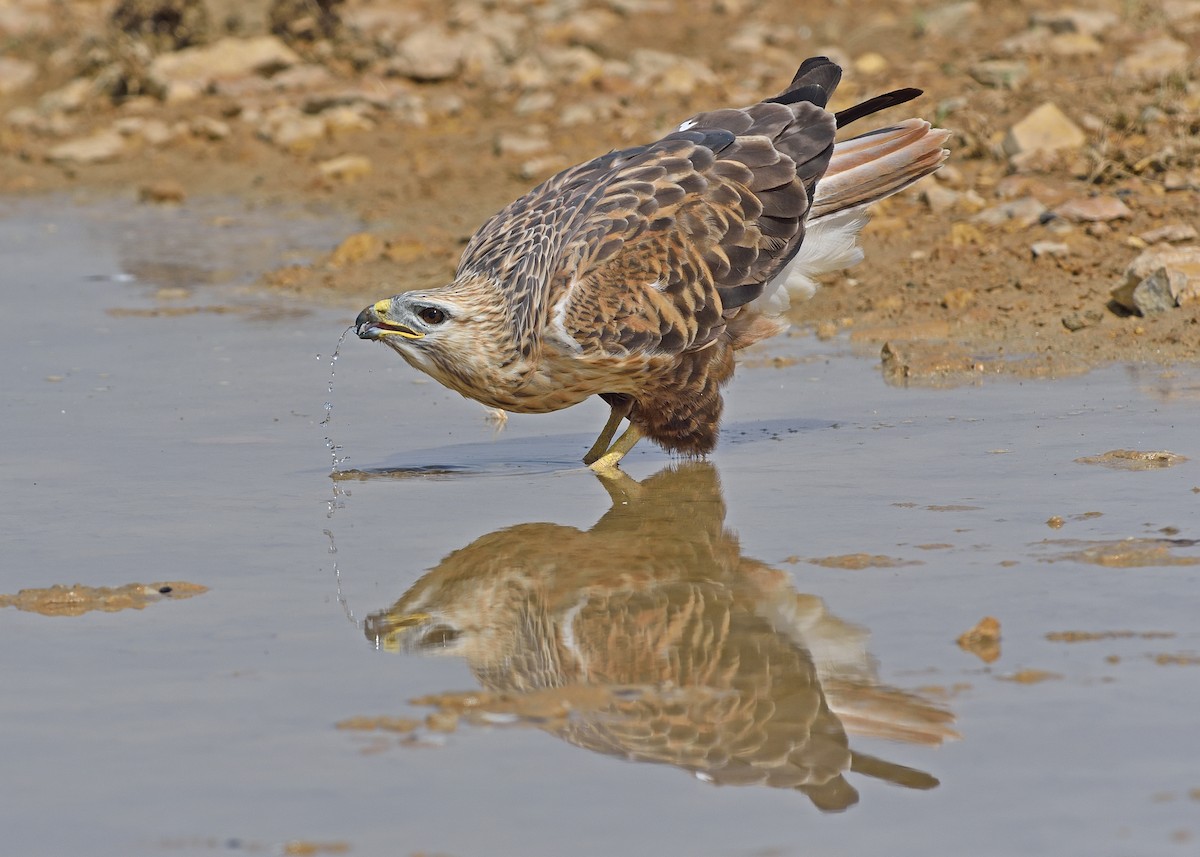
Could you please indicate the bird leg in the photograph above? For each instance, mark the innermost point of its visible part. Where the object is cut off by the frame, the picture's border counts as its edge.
(616, 452)
(621, 406)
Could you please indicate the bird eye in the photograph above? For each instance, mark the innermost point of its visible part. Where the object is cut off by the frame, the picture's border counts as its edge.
(439, 637)
(431, 315)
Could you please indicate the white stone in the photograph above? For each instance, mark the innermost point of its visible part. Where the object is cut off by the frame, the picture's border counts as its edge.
(1185, 259)
(287, 127)
(1046, 129)
(15, 74)
(1049, 248)
(939, 198)
(68, 98)
(1025, 211)
(532, 142)
(950, 19)
(1090, 209)
(345, 168)
(431, 53)
(347, 117)
(1156, 59)
(1172, 233)
(668, 73)
(213, 129)
(225, 59)
(102, 146)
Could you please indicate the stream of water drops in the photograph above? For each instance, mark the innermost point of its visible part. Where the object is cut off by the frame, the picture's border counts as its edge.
(336, 458)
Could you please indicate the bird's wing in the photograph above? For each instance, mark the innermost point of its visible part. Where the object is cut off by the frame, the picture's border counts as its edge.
(691, 228)
(519, 247)
(652, 249)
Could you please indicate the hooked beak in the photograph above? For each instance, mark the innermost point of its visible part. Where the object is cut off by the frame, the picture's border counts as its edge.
(388, 628)
(373, 323)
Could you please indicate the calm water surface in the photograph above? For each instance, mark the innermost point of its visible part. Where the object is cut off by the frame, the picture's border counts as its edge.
(650, 667)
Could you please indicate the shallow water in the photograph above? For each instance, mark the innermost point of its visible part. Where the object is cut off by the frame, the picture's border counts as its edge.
(161, 436)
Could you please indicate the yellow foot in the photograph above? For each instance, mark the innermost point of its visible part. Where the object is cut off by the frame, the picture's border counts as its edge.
(606, 464)
(609, 460)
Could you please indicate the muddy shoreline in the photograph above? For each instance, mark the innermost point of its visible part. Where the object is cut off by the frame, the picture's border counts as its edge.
(422, 119)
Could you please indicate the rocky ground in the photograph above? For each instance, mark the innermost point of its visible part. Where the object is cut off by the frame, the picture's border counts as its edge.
(1062, 234)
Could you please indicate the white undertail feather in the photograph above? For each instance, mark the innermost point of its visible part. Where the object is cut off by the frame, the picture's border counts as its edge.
(863, 170)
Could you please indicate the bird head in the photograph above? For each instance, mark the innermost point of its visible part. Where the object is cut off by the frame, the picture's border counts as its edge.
(458, 334)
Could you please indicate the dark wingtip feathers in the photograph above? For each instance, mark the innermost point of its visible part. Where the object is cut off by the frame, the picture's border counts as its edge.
(874, 105)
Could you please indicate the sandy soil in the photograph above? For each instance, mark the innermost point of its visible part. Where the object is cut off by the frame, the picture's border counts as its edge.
(424, 117)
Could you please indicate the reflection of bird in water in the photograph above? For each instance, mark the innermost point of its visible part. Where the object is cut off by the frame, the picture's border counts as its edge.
(637, 275)
(665, 643)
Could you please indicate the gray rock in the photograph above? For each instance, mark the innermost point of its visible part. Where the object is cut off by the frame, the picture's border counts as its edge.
(1001, 74)
(1025, 211)
(1092, 209)
(1159, 279)
(1156, 293)
(1079, 320)
(1172, 233)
